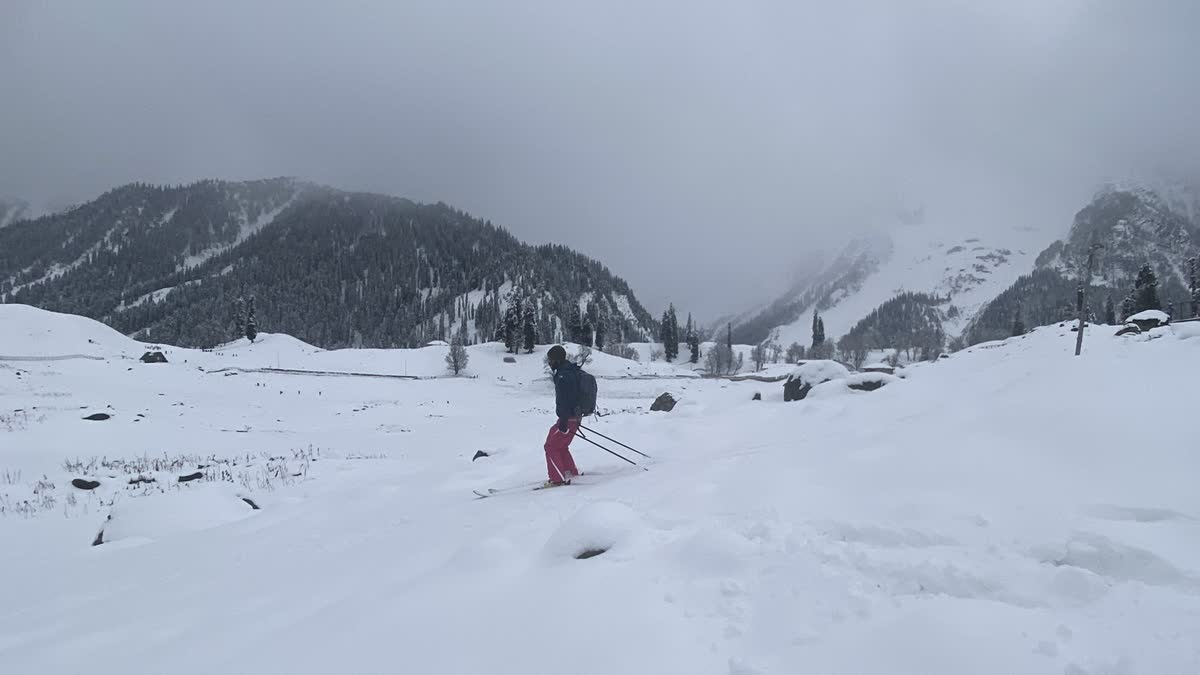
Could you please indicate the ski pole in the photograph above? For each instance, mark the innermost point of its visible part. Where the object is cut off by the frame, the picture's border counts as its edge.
(615, 441)
(610, 451)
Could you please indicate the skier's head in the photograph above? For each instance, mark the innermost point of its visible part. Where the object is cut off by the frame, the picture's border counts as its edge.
(556, 357)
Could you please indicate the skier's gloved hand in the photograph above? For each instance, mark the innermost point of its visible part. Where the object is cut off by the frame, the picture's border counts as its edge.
(562, 425)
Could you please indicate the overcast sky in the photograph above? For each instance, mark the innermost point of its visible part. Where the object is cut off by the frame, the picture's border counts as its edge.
(674, 141)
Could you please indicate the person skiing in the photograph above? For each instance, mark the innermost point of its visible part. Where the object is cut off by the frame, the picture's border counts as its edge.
(559, 464)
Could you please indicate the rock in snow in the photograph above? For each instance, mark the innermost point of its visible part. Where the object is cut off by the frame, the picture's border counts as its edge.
(810, 374)
(664, 403)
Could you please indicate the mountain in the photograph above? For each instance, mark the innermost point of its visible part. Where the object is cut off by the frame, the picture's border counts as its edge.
(12, 210)
(1136, 226)
(329, 267)
(960, 274)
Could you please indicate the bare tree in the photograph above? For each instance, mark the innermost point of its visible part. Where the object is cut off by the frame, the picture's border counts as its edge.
(456, 357)
(759, 355)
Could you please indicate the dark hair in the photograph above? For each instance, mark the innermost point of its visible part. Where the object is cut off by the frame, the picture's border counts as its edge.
(556, 354)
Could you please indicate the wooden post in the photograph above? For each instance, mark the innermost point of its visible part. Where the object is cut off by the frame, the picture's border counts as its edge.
(1080, 296)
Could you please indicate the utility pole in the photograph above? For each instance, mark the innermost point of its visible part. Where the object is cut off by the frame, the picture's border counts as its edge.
(1080, 294)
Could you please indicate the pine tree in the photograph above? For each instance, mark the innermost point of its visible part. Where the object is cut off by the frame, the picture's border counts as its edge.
(239, 317)
(575, 324)
(693, 340)
(601, 328)
(1110, 312)
(1194, 284)
(529, 326)
(818, 331)
(251, 322)
(1145, 290)
(670, 332)
(512, 325)
(456, 357)
(1018, 326)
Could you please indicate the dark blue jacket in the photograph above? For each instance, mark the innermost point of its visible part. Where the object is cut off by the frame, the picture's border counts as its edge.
(566, 390)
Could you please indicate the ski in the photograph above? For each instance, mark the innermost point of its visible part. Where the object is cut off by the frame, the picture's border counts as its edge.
(491, 492)
(583, 479)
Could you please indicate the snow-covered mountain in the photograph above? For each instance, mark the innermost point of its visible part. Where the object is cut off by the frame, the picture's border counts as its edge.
(1135, 225)
(333, 268)
(972, 289)
(914, 256)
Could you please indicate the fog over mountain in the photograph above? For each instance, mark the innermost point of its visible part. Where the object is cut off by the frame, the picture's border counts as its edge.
(675, 142)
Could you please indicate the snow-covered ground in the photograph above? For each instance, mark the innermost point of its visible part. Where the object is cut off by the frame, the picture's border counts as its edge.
(1010, 509)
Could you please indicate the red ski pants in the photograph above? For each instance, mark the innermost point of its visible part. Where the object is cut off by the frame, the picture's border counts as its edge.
(559, 464)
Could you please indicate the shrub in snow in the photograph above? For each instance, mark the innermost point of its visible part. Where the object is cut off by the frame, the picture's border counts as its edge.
(594, 529)
(810, 374)
(623, 351)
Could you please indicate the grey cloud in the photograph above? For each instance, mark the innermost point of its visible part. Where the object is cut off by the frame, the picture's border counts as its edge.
(675, 141)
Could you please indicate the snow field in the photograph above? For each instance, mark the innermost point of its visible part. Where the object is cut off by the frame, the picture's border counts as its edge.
(1001, 511)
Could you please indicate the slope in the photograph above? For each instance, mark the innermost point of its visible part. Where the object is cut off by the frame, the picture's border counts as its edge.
(935, 526)
(914, 256)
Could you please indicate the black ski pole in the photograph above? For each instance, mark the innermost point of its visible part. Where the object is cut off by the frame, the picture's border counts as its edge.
(611, 452)
(615, 441)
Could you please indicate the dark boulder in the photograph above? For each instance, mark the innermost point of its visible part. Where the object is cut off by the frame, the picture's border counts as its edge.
(154, 357)
(1131, 329)
(664, 403)
(191, 477)
(84, 484)
(478, 454)
(510, 359)
(757, 396)
(795, 389)
(97, 417)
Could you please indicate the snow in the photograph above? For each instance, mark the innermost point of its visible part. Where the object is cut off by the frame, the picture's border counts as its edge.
(939, 525)
(248, 229)
(1185, 329)
(1150, 315)
(815, 372)
(173, 513)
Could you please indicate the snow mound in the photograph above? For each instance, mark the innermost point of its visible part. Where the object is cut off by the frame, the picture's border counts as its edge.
(1185, 330)
(1150, 315)
(598, 526)
(853, 384)
(29, 332)
(176, 512)
(816, 372)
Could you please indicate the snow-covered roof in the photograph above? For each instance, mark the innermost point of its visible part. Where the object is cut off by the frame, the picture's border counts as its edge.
(1150, 315)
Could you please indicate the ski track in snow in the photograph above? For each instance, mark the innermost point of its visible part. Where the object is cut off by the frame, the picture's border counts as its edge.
(1011, 509)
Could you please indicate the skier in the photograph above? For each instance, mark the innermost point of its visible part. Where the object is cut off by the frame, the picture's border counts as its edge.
(559, 463)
